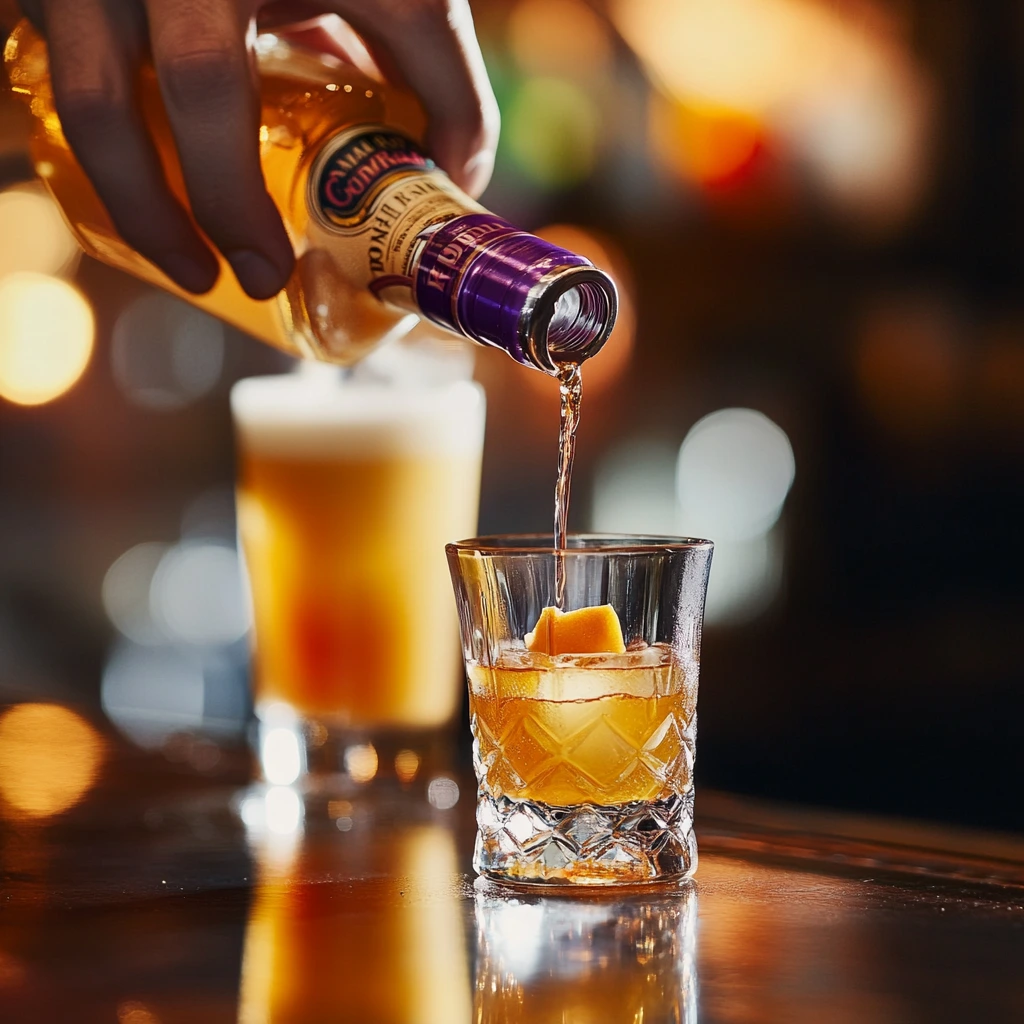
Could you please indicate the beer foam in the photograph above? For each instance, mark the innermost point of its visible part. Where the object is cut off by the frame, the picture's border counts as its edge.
(298, 416)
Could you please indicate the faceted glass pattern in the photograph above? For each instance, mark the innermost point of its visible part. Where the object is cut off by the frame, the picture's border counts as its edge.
(605, 730)
(584, 762)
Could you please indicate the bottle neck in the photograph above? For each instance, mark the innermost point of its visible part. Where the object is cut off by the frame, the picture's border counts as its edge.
(415, 240)
(544, 305)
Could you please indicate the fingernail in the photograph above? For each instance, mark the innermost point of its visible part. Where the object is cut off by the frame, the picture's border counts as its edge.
(255, 273)
(191, 274)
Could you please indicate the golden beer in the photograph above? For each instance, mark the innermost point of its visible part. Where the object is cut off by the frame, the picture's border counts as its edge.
(346, 498)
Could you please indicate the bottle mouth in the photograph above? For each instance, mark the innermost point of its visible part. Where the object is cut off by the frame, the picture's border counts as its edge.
(571, 316)
(545, 306)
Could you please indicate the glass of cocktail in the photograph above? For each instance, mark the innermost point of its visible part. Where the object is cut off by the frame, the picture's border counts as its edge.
(583, 717)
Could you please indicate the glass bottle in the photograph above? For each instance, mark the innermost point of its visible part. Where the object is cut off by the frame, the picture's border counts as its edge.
(379, 232)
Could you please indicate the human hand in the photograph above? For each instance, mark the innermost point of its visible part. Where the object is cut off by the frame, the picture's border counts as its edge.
(201, 50)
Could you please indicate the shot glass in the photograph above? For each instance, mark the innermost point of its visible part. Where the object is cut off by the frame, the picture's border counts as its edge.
(584, 759)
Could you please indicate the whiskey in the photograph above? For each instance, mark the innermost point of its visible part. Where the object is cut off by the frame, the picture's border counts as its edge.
(380, 233)
(570, 386)
(583, 729)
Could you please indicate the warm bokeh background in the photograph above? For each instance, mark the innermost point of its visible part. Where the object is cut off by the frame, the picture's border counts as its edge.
(815, 211)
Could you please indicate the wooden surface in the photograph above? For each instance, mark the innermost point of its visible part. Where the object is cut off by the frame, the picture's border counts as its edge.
(171, 892)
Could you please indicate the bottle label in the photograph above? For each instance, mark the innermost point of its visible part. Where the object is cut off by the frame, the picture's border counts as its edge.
(372, 193)
(355, 168)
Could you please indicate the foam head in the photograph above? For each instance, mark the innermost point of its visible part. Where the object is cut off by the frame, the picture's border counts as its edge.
(298, 416)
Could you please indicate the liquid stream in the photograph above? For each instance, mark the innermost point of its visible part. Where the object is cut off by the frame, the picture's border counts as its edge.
(570, 383)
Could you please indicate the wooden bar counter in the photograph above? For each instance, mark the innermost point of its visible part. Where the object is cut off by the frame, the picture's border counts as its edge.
(147, 889)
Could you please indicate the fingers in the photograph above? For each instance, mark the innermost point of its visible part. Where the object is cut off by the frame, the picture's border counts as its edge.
(333, 37)
(205, 77)
(94, 56)
(433, 46)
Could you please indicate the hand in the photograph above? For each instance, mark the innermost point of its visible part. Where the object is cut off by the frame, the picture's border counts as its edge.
(203, 60)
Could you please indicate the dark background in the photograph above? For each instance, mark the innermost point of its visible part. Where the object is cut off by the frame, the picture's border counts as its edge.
(815, 212)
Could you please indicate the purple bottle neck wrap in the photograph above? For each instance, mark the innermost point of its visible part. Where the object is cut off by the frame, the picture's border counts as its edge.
(480, 276)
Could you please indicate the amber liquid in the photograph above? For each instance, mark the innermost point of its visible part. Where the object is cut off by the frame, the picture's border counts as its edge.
(570, 386)
(305, 99)
(346, 498)
(383, 943)
(353, 614)
(600, 729)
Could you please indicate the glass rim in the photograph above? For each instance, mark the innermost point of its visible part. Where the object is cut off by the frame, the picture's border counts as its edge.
(595, 543)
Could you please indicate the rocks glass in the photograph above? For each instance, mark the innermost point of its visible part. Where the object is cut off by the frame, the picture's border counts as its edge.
(584, 761)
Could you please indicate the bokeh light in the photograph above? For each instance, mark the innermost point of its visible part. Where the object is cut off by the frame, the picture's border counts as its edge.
(551, 130)
(273, 817)
(749, 55)
(197, 594)
(706, 145)
(443, 793)
(151, 693)
(843, 100)
(559, 36)
(746, 576)
(281, 755)
(866, 145)
(735, 469)
(283, 810)
(361, 762)
(635, 488)
(180, 669)
(734, 472)
(46, 337)
(407, 764)
(35, 237)
(126, 590)
(49, 759)
(166, 353)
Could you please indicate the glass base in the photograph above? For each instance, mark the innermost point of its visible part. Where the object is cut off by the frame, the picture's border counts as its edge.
(321, 756)
(645, 841)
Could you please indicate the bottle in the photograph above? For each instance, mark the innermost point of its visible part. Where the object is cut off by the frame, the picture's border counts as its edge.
(380, 232)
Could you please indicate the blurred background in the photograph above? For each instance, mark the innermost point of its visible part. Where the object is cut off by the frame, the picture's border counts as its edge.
(814, 210)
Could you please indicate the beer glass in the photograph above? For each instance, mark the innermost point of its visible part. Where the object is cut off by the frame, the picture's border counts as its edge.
(347, 493)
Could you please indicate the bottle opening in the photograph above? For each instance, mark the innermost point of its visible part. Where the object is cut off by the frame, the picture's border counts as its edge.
(543, 305)
(580, 319)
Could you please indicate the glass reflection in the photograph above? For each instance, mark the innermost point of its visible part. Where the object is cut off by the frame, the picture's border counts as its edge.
(548, 960)
(362, 924)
